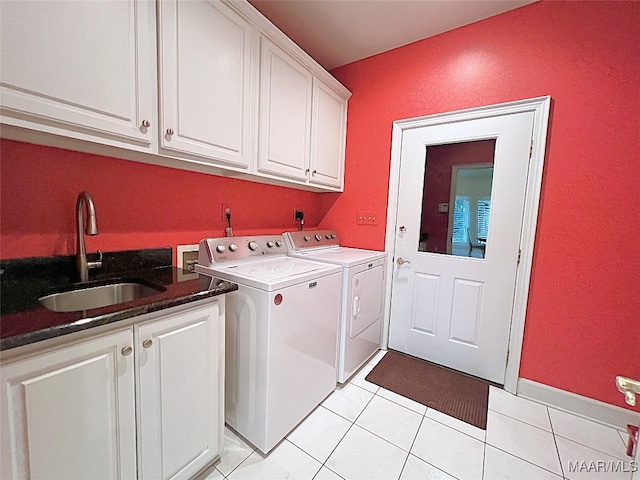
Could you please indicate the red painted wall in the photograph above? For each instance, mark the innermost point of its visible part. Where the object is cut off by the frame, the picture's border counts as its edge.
(137, 205)
(583, 318)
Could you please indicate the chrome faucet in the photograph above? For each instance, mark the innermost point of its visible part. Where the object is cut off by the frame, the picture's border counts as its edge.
(84, 199)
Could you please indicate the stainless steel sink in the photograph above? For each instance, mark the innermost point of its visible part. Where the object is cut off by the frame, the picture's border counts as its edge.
(97, 296)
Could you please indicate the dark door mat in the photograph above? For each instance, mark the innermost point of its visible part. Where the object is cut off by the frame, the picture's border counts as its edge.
(448, 391)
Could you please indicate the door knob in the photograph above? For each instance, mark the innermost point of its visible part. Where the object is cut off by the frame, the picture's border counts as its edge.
(629, 387)
(402, 261)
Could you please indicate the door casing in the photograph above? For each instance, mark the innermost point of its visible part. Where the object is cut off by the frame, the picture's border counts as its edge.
(540, 106)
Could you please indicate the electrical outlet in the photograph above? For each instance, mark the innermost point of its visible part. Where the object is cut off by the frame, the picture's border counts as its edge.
(223, 212)
(367, 218)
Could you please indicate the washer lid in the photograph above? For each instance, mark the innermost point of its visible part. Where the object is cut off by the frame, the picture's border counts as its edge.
(270, 271)
(270, 274)
(343, 256)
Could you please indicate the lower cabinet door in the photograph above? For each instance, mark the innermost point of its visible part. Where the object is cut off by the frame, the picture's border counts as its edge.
(180, 362)
(70, 413)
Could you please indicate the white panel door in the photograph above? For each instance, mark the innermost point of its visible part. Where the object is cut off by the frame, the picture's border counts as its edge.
(285, 113)
(79, 67)
(70, 413)
(207, 73)
(180, 361)
(328, 127)
(456, 310)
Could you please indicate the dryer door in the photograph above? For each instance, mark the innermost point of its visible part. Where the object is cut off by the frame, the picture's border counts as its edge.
(366, 299)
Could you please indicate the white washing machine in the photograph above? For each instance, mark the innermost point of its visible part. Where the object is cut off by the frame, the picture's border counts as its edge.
(281, 334)
(362, 309)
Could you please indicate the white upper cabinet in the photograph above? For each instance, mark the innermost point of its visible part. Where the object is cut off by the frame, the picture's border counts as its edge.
(302, 121)
(285, 113)
(207, 81)
(328, 133)
(204, 85)
(80, 69)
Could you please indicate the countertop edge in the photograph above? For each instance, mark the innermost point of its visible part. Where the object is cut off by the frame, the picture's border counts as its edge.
(83, 324)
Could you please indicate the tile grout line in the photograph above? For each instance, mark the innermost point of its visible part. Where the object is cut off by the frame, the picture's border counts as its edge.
(411, 446)
(555, 442)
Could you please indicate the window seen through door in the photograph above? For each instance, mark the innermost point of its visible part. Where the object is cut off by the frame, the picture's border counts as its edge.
(456, 201)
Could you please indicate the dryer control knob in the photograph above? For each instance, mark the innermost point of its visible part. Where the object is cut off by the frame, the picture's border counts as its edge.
(233, 247)
(253, 246)
(327, 236)
(306, 238)
(270, 244)
(333, 235)
(220, 248)
(317, 237)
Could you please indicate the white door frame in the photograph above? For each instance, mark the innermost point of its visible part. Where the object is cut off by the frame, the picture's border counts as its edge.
(540, 106)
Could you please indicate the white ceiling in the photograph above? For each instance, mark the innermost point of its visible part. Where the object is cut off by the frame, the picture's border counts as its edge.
(338, 32)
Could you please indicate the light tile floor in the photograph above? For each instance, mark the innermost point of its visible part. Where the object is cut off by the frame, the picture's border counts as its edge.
(364, 432)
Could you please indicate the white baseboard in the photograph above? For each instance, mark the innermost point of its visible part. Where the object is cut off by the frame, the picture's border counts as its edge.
(610, 415)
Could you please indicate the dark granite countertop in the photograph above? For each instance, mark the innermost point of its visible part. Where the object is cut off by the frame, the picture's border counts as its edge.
(23, 320)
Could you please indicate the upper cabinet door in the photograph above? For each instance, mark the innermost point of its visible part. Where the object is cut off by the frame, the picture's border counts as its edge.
(328, 133)
(80, 69)
(207, 73)
(285, 113)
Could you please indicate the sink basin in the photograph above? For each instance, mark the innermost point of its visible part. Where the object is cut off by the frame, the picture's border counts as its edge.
(100, 295)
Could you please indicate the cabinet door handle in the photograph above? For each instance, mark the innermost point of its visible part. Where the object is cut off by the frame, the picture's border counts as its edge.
(170, 131)
(126, 351)
(147, 343)
(146, 123)
(314, 172)
(306, 171)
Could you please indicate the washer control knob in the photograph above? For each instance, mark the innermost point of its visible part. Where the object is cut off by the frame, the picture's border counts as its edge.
(233, 247)
(327, 236)
(317, 237)
(333, 235)
(278, 243)
(270, 244)
(220, 248)
(253, 246)
(306, 238)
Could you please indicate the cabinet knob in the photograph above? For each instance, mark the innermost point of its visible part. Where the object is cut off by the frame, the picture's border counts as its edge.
(126, 351)
(146, 123)
(170, 131)
(314, 172)
(306, 171)
(147, 343)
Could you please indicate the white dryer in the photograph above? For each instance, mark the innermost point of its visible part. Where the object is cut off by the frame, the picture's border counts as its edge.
(360, 331)
(281, 334)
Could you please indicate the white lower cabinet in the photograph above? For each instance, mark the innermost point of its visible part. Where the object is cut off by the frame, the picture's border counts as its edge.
(143, 402)
(180, 365)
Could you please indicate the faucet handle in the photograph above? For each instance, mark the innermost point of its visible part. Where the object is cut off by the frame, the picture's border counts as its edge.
(97, 263)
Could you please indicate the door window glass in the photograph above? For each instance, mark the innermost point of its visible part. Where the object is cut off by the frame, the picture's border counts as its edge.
(456, 200)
